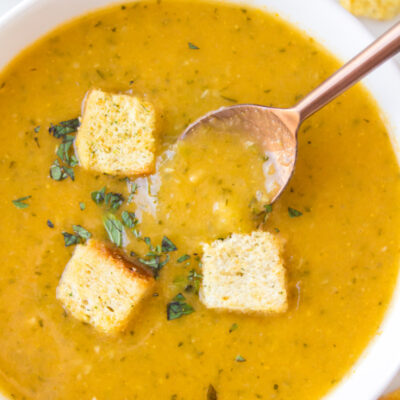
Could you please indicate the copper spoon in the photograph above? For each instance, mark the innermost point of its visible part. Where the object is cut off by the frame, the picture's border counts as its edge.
(275, 129)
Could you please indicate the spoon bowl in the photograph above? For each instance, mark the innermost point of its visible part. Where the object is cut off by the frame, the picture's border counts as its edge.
(275, 129)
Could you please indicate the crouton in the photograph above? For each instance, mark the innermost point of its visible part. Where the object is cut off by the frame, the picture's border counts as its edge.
(378, 9)
(100, 287)
(244, 273)
(117, 134)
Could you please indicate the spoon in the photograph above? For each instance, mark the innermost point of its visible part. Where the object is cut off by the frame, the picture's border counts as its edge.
(275, 129)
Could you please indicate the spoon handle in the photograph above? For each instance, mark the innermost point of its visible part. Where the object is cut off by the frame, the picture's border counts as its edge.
(379, 51)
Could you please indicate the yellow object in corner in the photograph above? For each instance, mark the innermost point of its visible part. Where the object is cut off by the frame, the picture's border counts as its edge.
(377, 9)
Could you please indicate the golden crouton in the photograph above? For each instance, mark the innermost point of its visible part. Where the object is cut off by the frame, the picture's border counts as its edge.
(117, 134)
(244, 273)
(100, 287)
(378, 9)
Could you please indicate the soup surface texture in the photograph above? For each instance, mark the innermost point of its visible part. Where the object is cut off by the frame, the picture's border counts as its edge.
(339, 217)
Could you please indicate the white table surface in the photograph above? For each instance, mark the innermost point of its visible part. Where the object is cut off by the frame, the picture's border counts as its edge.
(375, 27)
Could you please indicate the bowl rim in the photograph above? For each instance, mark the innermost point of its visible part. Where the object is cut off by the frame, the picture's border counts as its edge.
(379, 362)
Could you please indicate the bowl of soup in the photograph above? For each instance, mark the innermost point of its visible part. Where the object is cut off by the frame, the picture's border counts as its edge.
(339, 217)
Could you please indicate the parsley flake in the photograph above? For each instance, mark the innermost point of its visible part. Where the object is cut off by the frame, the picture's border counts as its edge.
(193, 46)
(81, 232)
(293, 213)
(183, 258)
(99, 196)
(64, 127)
(240, 358)
(129, 219)
(177, 308)
(20, 203)
(114, 200)
(167, 246)
(233, 327)
(70, 239)
(114, 228)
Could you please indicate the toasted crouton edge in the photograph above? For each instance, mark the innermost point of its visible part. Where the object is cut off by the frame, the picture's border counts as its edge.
(131, 270)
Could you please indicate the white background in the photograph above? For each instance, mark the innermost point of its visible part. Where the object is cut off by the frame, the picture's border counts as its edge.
(375, 27)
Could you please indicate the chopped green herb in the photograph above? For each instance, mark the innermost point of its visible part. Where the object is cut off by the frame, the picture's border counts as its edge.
(193, 46)
(37, 129)
(19, 203)
(132, 192)
(211, 393)
(56, 171)
(69, 172)
(114, 228)
(98, 196)
(293, 213)
(239, 358)
(81, 232)
(167, 246)
(82, 205)
(233, 327)
(178, 307)
(155, 263)
(65, 146)
(183, 258)
(194, 279)
(129, 219)
(230, 99)
(59, 173)
(70, 239)
(114, 200)
(50, 224)
(268, 208)
(63, 128)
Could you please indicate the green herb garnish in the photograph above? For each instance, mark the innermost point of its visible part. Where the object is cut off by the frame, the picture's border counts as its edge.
(230, 99)
(178, 307)
(70, 239)
(114, 200)
(233, 327)
(114, 228)
(129, 219)
(64, 127)
(268, 208)
(193, 46)
(50, 224)
(293, 213)
(81, 232)
(82, 205)
(63, 151)
(19, 203)
(99, 196)
(239, 358)
(194, 279)
(183, 258)
(59, 172)
(132, 192)
(167, 246)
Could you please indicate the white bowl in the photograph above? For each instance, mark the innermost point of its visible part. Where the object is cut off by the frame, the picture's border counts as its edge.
(344, 36)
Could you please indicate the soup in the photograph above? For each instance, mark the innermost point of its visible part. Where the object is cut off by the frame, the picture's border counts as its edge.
(339, 217)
